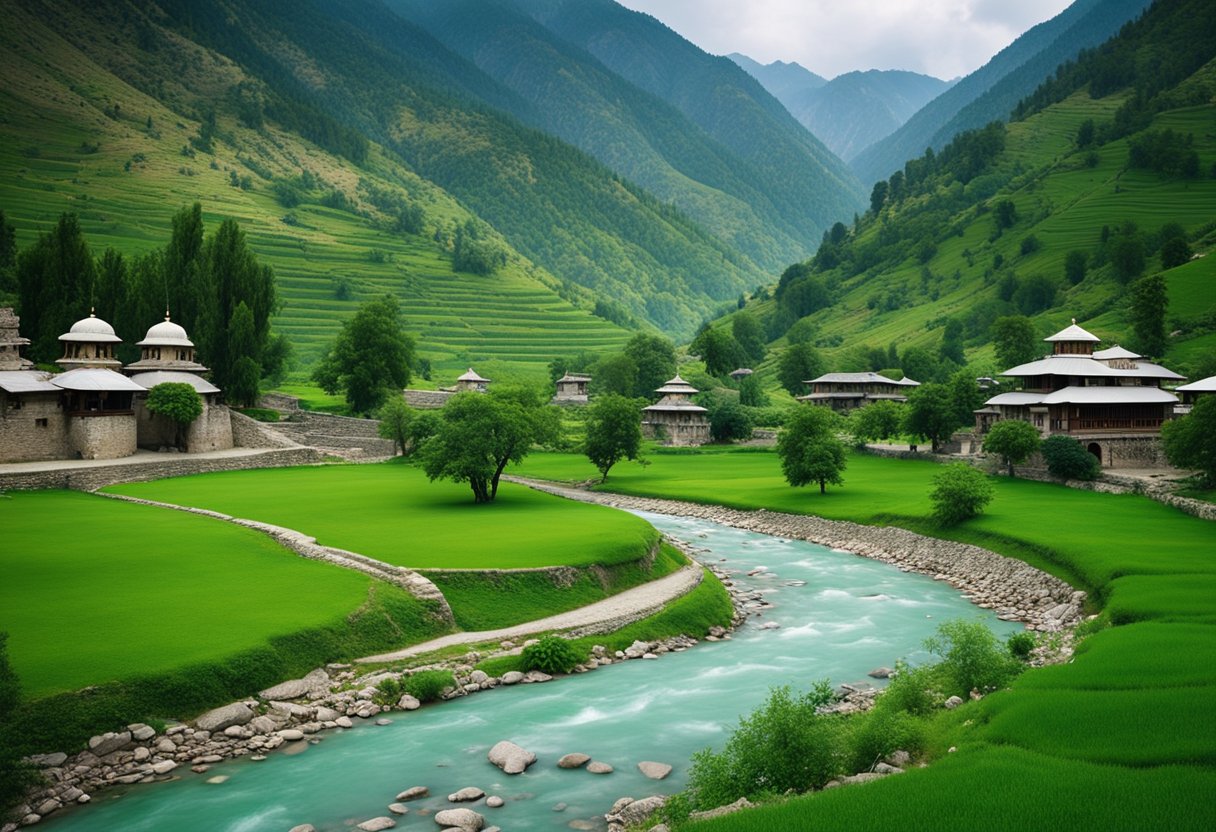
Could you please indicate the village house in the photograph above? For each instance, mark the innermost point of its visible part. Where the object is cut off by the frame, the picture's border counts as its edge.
(844, 392)
(470, 381)
(675, 419)
(1191, 393)
(743, 372)
(572, 389)
(1109, 400)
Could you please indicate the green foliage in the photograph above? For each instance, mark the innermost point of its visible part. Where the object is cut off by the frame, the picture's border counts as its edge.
(809, 449)
(1005, 213)
(371, 357)
(1149, 303)
(729, 420)
(972, 658)
(749, 335)
(930, 414)
(178, 402)
(475, 251)
(1164, 151)
(877, 421)
(719, 350)
(396, 419)
(799, 363)
(1175, 252)
(1013, 338)
(261, 414)
(1075, 264)
(54, 276)
(783, 745)
(1067, 458)
(1127, 251)
(1020, 644)
(1014, 440)
(428, 685)
(551, 654)
(1190, 441)
(10, 685)
(751, 394)
(614, 432)
(959, 493)
(654, 358)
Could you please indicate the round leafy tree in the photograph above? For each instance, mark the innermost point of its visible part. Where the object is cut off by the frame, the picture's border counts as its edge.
(178, 402)
(959, 492)
(614, 432)
(1190, 442)
(809, 449)
(729, 420)
(1014, 440)
(552, 654)
(1067, 458)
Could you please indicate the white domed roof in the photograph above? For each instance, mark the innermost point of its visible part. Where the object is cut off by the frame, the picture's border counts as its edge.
(166, 334)
(92, 330)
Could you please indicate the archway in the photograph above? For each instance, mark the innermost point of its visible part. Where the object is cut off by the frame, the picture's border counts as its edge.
(1095, 449)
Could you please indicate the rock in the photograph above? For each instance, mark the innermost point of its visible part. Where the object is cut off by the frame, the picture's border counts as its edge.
(47, 806)
(236, 731)
(537, 676)
(54, 760)
(468, 793)
(511, 758)
(377, 824)
(880, 673)
(382, 721)
(414, 792)
(408, 703)
(109, 742)
(579, 823)
(638, 811)
(291, 709)
(899, 759)
(164, 766)
(863, 777)
(262, 725)
(303, 827)
(883, 768)
(512, 677)
(741, 803)
(560, 807)
(327, 715)
(292, 734)
(141, 732)
(141, 754)
(238, 713)
(479, 677)
(166, 746)
(953, 702)
(398, 808)
(596, 767)
(217, 780)
(495, 802)
(465, 820)
(637, 650)
(655, 771)
(574, 760)
(621, 803)
(344, 722)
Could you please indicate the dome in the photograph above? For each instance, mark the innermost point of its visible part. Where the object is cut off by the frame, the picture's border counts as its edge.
(92, 330)
(166, 334)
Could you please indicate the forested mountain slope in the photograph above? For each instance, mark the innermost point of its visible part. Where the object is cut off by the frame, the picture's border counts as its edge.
(786, 80)
(567, 92)
(992, 90)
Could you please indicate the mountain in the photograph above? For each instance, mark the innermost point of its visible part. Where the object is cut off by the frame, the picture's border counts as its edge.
(567, 92)
(809, 184)
(786, 81)
(1107, 175)
(992, 91)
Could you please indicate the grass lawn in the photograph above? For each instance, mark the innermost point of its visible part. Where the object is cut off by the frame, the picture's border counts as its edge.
(1124, 737)
(391, 512)
(96, 590)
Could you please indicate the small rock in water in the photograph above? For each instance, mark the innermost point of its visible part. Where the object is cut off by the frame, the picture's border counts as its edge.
(377, 824)
(880, 673)
(579, 823)
(303, 827)
(575, 760)
(398, 808)
(464, 819)
(510, 757)
(217, 779)
(655, 771)
(494, 801)
(560, 807)
(414, 792)
(468, 793)
(383, 721)
(596, 767)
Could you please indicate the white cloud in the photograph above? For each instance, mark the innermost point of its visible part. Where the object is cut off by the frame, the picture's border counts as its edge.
(938, 37)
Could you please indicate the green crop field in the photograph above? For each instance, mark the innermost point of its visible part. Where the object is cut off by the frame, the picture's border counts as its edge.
(1124, 737)
(392, 513)
(97, 589)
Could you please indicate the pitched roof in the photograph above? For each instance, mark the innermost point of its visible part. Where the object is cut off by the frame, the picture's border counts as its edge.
(1083, 365)
(1110, 395)
(570, 378)
(861, 378)
(95, 378)
(1204, 385)
(1114, 352)
(471, 375)
(1016, 397)
(677, 385)
(151, 379)
(1073, 333)
(26, 381)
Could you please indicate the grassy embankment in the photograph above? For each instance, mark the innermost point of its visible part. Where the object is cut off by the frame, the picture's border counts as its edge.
(390, 512)
(1124, 737)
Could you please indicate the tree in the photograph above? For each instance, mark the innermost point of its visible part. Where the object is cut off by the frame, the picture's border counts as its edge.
(655, 359)
(929, 414)
(1005, 214)
(395, 419)
(614, 432)
(877, 421)
(1014, 440)
(751, 393)
(1127, 252)
(728, 420)
(965, 396)
(809, 449)
(959, 492)
(798, 364)
(1075, 264)
(55, 280)
(919, 364)
(1190, 441)
(371, 357)
(951, 348)
(749, 335)
(616, 374)
(1175, 251)
(878, 196)
(179, 402)
(1067, 458)
(719, 350)
(1149, 302)
(1014, 340)
(481, 433)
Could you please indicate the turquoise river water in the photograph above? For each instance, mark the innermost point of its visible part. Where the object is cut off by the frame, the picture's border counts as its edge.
(851, 615)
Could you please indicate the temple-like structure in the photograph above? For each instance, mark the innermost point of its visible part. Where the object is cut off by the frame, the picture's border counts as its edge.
(1191, 393)
(844, 392)
(572, 389)
(1109, 400)
(471, 382)
(675, 419)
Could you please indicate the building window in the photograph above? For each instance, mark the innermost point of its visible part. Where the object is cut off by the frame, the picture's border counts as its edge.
(40, 423)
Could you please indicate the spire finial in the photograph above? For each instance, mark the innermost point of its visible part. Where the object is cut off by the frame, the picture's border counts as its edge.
(1074, 321)
(92, 311)
(166, 313)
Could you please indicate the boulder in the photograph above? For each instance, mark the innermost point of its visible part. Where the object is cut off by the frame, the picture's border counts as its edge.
(141, 732)
(238, 713)
(377, 824)
(408, 702)
(465, 820)
(414, 793)
(741, 803)
(109, 742)
(262, 725)
(52, 760)
(596, 767)
(953, 702)
(655, 771)
(479, 677)
(398, 808)
(880, 673)
(303, 827)
(327, 715)
(163, 767)
(465, 795)
(883, 768)
(317, 680)
(574, 760)
(511, 758)
(512, 677)
(638, 811)
(495, 802)
(292, 734)
(637, 650)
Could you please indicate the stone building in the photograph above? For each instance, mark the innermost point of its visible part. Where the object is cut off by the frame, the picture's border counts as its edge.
(1191, 393)
(470, 381)
(844, 392)
(572, 389)
(1111, 400)
(740, 374)
(674, 418)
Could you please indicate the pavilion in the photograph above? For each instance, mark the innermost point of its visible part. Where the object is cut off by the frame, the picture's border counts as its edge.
(674, 418)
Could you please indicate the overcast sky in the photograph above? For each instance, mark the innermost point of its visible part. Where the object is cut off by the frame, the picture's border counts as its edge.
(946, 38)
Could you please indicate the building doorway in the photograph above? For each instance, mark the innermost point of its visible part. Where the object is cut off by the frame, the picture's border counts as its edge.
(1095, 449)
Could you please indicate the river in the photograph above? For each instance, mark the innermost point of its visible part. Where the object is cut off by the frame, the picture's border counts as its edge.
(851, 615)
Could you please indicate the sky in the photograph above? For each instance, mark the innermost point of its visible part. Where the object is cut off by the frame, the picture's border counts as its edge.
(944, 38)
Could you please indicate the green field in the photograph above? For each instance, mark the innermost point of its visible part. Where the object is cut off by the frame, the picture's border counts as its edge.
(1124, 737)
(392, 513)
(133, 590)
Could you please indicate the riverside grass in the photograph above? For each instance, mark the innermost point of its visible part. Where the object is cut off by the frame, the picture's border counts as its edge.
(97, 590)
(1122, 738)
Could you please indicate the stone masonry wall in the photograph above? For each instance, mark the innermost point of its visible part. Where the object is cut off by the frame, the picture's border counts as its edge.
(212, 431)
(22, 439)
(250, 433)
(101, 437)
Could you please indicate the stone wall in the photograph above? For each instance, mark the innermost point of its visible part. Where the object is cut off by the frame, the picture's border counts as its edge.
(279, 401)
(1128, 451)
(23, 439)
(174, 465)
(212, 431)
(427, 399)
(250, 433)
(343, 435)
(101, 437)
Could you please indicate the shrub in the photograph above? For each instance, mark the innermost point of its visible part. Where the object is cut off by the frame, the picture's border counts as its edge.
(428, 685)
(1020, 644)
(552, 654)
(959, 492)
(1067, 458)
(876, 734)
(729, 421)
(972, 658)
(912, 690)
(1014, 440)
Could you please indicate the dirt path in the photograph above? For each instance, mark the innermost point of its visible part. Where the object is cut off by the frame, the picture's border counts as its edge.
(601, 617)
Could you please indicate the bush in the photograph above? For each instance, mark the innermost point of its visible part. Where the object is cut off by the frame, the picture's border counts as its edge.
(959, 492)
(1020, 644)
(428, 685)
(1067, 458)
(729, 420)
(972, 657)
(552, 654)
